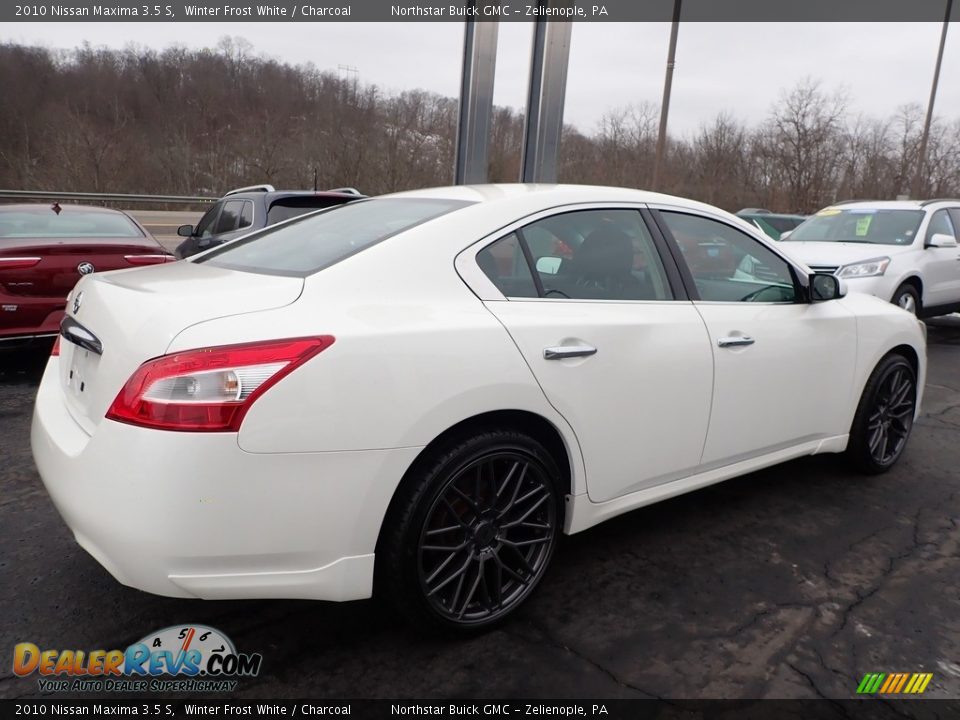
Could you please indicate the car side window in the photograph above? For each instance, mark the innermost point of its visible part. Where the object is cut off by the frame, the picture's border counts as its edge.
(728, 265)
(205, 226)
(506, 266)
(596, 255)
(955, 217)
(940, 223)
(230, 216)
(246, 214)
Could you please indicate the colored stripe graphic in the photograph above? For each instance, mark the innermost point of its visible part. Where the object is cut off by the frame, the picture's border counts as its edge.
(891, 679)
(894, 683)
(869, 683)
(901, 681)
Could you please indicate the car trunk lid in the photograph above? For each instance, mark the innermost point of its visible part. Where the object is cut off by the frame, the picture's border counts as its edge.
(42, 268)
(134, 315)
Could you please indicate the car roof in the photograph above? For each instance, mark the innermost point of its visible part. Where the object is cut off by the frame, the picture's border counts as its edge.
(283, 194)
(890, 204)
(546, 195)
(67, 208)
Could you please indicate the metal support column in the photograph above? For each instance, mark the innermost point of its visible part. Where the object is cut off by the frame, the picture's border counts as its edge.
(545, 95)
(476, 100)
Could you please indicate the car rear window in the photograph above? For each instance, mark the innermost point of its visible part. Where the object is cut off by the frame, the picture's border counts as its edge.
(67, 224)
(292, 207)
(309, 244)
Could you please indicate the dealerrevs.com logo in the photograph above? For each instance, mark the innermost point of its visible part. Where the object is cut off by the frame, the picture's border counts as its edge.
(198, 657)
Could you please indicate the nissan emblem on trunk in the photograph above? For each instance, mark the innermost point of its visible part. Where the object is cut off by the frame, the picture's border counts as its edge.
(85, 268)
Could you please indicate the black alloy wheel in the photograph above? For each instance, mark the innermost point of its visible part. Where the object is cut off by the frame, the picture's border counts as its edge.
(487, 537)
(885, 416)
(476, 535)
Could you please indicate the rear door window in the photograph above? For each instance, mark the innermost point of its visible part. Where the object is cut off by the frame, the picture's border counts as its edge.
(579, 255)
(506, 266)
(246, 215)
(231, 217)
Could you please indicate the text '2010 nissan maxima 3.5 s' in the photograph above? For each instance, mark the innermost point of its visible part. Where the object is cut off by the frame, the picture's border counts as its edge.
(419, 392)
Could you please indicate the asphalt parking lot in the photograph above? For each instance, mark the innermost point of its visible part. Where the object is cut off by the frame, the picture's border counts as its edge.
(792, 582)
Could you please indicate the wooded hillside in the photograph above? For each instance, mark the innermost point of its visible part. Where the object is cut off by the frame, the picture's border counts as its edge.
(186, 121)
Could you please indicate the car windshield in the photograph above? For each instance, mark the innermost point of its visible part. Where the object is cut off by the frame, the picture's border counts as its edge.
(859, 225)
(67, 224)
(308, 244)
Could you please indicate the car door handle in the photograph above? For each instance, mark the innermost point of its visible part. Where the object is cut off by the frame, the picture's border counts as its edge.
(568, 351)
(735, 341)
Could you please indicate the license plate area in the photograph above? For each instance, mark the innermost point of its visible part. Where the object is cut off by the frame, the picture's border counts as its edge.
(81, 368)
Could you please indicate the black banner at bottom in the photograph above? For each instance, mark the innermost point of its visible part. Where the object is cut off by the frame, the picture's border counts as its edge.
(500, 709)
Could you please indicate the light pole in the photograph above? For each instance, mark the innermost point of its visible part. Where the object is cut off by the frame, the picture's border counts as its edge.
(922, 155)
(667, 85)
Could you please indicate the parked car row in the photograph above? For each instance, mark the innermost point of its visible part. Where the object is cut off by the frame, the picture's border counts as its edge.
(902, 251)
(416, 394)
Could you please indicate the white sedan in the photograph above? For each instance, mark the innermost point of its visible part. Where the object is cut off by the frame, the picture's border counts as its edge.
(419, 392)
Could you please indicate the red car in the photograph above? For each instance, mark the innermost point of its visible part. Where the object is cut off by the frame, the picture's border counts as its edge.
(44, 249)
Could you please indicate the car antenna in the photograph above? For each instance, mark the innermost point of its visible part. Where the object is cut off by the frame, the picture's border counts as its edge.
(56, 207)
(314, 179)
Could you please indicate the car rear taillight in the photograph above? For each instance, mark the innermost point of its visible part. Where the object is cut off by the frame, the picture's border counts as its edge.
(55, 350)
(17, 263)
(148, 259)
(209, 389)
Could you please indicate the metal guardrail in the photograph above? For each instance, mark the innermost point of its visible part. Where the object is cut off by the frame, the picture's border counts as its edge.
(103, 197)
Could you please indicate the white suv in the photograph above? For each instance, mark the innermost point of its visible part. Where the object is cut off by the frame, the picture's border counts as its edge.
(904, 251)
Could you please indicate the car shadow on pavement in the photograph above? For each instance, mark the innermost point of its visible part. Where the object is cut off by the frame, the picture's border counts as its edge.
(944, 330)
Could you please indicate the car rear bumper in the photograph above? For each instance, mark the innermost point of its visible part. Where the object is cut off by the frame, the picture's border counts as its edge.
(193, 515)
(21, 342)
(25, 318)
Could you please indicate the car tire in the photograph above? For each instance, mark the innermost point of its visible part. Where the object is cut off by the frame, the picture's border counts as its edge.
(907, 298)
(471, 532)
(884, 416)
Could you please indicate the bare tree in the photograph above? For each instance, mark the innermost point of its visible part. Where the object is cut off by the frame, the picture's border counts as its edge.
(185, 121)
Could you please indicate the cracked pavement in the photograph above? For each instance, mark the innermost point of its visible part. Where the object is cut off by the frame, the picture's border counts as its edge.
(792, 582)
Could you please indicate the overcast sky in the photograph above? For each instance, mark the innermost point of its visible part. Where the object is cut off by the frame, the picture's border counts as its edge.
(735, 67)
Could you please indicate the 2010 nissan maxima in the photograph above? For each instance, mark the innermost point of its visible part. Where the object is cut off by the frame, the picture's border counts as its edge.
(420, 392)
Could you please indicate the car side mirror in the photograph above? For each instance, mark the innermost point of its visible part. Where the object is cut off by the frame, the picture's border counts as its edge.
(185, 230)
(941, 240)
(826, 287)
(785, 234)
(549, 265)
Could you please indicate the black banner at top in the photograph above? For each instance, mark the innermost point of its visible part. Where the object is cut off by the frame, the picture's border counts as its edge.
(226, 11)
